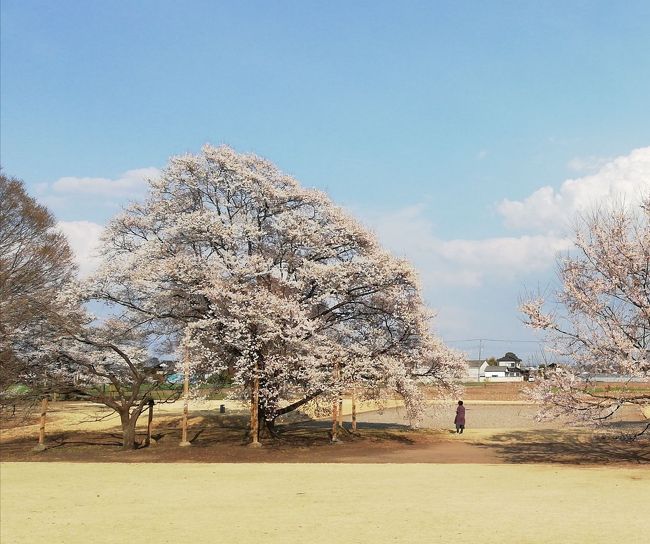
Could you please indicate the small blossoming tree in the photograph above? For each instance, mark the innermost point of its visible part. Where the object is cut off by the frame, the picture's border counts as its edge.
(108, 360)
(602, 322)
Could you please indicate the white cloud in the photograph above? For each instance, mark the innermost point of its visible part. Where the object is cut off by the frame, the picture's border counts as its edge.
(453, 270)
(541, 219)
(590, 163)
(409, 233)
(482, 154)
(548, 210)
(84, 237)
(504, 256)
(132, 183)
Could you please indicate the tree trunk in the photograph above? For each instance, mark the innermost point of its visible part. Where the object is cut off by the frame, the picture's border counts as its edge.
(297, 404)
(269, 425)
(266, 427)
(255, 409)
(128, 429)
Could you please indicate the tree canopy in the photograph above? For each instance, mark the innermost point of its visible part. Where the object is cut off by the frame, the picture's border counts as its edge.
(601, 324)
(255, 275)
(35, 264)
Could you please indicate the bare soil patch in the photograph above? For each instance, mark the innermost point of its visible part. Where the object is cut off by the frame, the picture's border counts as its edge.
(495, 391)
(497, 433)
(500, 429)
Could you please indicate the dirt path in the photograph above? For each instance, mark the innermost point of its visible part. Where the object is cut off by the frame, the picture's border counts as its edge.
(496, 434)
(373, 445)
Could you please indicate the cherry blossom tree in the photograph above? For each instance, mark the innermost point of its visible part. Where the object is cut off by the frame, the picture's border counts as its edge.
(601, 322)
(257, 276)
(107, 360)
(49, 343)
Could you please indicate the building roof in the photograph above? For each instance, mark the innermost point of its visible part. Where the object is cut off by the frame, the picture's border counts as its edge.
(510, 357)
(475, 363)
(496, 369)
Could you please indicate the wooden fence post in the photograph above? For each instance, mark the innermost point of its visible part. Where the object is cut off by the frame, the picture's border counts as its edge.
(354, 409)
(147, 441)
(335, 407)
(255, 404)
(186, 393)
(41, 431)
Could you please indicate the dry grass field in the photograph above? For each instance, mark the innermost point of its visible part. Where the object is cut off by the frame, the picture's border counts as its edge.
(506, 480)
(63, 503)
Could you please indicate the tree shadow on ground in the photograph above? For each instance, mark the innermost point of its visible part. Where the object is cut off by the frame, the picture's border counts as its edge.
(167, 430)
(210, 435)
(314, 432)
(574, 447)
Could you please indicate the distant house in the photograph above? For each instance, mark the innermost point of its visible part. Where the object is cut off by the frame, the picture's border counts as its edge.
(503, 374)
(495, 372)
(476, 370)
(505, 369)
(509, 360)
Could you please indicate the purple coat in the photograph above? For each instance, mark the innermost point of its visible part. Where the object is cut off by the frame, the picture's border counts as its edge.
(460, 416)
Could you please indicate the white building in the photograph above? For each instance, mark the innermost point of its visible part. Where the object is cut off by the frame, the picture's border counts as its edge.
(506, 369)
(502, 374)
(476, 370)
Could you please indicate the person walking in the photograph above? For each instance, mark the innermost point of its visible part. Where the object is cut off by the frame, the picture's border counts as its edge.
(460, 418)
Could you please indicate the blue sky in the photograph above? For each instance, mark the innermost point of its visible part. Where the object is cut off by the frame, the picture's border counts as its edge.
(423, 118)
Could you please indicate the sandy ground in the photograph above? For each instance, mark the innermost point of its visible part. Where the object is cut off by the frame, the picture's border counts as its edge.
(498, 432)
(66, 416)
(65, 503)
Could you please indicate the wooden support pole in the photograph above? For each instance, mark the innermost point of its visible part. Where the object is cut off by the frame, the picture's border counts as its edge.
(335, 406)
(147, 441)
(255, 413)
(354, 409)
(41, 431)
(186, 394)
(335, 421)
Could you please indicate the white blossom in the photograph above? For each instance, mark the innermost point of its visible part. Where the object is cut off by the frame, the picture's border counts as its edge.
(261, 278)
(602, 325)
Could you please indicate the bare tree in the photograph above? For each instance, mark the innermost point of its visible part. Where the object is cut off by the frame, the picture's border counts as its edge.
(35, 264)
(601, 321)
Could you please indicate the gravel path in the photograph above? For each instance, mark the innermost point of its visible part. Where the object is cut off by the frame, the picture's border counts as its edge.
(480, 416)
